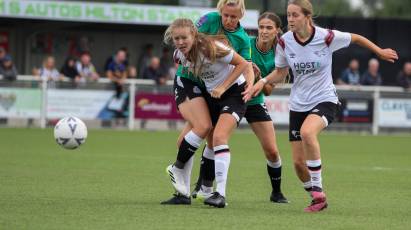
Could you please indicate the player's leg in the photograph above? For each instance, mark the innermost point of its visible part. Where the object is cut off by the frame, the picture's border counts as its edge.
(266, 135)
(260, 121)
(222, 132)
(299, 161)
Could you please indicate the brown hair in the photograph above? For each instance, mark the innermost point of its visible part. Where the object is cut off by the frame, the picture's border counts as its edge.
(306, 8)
(204, 44)
(274, 18)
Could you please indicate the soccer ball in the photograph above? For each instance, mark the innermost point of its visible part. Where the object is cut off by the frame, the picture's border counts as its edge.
(70, 132)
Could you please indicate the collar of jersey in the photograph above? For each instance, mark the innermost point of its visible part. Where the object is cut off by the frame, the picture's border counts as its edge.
(306, 42)
(260, 51)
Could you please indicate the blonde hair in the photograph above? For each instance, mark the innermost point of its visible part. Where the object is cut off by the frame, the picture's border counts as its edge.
(239, 3)
(204, 44)
(306, 8)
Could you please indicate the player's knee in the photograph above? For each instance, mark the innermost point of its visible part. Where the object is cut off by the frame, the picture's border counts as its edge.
(219, 138)
(307, 136)
(272, 154)
(202, 129)
(300, 165)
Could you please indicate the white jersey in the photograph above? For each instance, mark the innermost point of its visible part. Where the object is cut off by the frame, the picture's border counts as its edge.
(311, 64)
(213, 74)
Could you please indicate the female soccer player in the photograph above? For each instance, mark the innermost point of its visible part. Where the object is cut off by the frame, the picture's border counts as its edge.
(262, 54)
(220, 68)
(224, 22)
(307, 49)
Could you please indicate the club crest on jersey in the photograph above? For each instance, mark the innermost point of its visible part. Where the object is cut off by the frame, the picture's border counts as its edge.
(321, 53)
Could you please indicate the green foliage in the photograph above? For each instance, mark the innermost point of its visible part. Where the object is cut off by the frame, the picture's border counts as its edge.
(117, 180)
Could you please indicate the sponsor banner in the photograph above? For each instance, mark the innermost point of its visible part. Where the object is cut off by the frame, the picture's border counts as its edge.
(394, 112)
(277, 107)
(355, 110)
(84, 104)
(20, 103)
(156, 106)
(108, 12)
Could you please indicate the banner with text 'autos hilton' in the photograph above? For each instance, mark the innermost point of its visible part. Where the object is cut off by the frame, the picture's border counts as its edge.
(156, 106)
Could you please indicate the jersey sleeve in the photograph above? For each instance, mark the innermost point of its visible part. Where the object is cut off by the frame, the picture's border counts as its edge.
(341, 40)
(280, 58)
(205, 23)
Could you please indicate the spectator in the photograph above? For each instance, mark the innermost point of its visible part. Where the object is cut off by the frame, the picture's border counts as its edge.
(131, 70)
(69, 70)
(48, 70)
(86, 69)
(153, 72)
(404, 76)
(144, 58)
(7, 69)
(372, 76)
(3, 54)
(351, 75)
(117, 71)
(166, 63)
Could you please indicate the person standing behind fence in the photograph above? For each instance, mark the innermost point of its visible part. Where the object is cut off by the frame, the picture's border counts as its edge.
(117, 72)
(69, 70)
(307, 49)
(372, 76)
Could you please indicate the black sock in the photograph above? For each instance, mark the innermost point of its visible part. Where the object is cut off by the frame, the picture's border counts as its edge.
(275, 178)
(208, 171)
(185, 152)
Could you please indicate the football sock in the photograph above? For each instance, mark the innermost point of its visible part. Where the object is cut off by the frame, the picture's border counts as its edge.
(207, 172)
(274, 172)
(314, 168)
(222, 163)
(307, 186)
(187, 172)
(187, 148)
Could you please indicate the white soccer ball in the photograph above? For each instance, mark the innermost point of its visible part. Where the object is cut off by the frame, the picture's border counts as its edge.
(70, 132)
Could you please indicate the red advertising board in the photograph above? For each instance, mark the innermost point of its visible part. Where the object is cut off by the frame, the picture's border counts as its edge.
(156, 106)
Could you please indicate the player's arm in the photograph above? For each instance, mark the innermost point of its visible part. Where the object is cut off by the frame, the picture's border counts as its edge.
(239, 66)
(277, 76)
(384, 54)
(268, 89)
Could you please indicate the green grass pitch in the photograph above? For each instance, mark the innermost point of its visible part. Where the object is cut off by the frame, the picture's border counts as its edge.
(117, 180)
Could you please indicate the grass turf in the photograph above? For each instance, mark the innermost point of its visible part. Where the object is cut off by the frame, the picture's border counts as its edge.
(117, 180)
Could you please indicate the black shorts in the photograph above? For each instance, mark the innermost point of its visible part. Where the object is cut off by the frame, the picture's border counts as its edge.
(230, 102)
(185, 88)
(257, 113)
(326, 110)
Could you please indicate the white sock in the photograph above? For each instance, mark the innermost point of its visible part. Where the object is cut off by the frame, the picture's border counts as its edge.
(187, 172)
(314, 168)
(222, 163)
(307, 185)
(208, 153)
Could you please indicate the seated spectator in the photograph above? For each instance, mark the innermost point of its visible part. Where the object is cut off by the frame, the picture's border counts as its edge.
(48, 70)
(166, 63)
(3, 54)
(7, 69)
(86, 69)
(351, 75)
(131, 70)
(69, 69)
(404, 76)
(153, 72)
(117, 71)
(372, 76)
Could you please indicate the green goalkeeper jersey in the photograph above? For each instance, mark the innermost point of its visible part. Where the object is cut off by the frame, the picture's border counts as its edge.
(211, 24)
(265, 62)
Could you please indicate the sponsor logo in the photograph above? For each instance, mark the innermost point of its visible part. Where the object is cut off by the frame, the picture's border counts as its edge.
(302, 68)
(225, 108)
(315, 110)
(292, 55)
(296, 133)
(7, 100)
(148, 106)
(196, 90)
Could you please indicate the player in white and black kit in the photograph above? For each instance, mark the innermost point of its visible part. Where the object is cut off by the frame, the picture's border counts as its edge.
(307, 49)
(220, 68)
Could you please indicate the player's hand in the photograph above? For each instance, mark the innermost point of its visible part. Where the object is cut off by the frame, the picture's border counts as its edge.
(218, 91)
(247, 93)
(389, 55)
(257, 88)
(257, 72)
